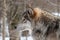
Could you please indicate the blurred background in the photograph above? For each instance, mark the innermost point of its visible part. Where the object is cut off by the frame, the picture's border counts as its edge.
(11, 15)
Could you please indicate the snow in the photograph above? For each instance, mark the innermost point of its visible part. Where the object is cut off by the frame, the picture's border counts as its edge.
(22, 38)
(5, 38)
(28, 38)
(57, 14)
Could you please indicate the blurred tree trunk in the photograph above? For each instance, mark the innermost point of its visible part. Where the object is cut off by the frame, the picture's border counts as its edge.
(4, 19)
(14, 16)
(3, 28)
(13, 33)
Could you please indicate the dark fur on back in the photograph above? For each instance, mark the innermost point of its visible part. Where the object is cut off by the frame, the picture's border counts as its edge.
(50, 22)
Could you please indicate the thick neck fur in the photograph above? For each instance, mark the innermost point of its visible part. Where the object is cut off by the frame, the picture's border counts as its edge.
(46, 18)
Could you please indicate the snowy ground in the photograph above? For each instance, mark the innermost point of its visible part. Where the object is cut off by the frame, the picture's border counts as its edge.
(5, 38)
(22, 38)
